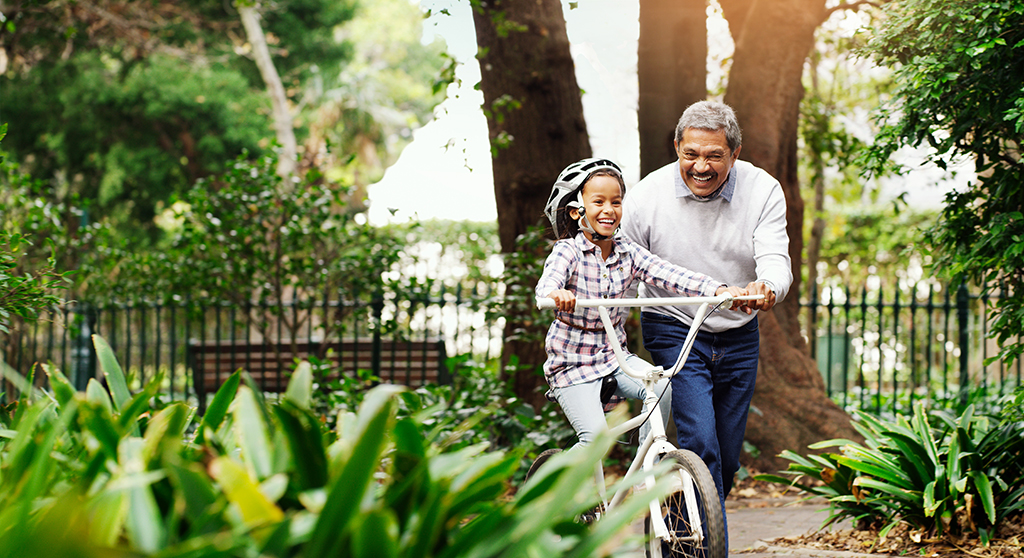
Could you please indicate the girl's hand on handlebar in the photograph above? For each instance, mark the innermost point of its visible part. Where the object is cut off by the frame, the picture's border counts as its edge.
(565, 301)
(736, 304)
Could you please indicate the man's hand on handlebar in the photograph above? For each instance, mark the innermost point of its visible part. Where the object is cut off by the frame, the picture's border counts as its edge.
(737, 304)
(565, 301)
(760, 288)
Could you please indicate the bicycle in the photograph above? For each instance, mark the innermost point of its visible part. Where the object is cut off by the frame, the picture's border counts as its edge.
(689, 522)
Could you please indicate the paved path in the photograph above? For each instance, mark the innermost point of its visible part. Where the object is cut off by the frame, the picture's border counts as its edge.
(754, 523)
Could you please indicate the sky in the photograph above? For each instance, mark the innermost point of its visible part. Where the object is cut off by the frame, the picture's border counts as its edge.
(445, 171)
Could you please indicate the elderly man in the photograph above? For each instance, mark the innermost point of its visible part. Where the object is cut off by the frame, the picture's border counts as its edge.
(715, 214)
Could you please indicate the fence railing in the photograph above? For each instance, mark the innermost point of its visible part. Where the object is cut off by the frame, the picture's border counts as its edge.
(877, 350)
(150, 337)
(881, 351)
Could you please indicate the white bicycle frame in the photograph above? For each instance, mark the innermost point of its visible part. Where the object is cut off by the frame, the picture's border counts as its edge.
(656, 443)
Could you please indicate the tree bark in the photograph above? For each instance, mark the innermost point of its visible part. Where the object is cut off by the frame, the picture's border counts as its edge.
(283, 127)
(672, 72)
(790, 408)
(535, 122)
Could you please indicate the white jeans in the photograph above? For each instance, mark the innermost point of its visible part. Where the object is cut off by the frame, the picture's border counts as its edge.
(581, 403)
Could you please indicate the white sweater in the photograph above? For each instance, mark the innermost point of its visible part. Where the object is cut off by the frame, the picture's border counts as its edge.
(737, 237)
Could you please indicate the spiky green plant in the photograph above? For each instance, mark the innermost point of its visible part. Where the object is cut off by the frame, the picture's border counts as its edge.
(961, 474)
(107, 472)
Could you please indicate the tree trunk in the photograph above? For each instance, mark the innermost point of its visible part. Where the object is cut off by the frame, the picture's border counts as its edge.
(773, 39)
(535, 121)
(279, 101)
(672, 72)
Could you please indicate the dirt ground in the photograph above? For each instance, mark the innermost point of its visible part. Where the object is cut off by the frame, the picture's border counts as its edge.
(900, 541)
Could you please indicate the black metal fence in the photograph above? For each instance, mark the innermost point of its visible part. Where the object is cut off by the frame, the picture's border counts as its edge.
(150, 337)
(877, 351)
(880, 351)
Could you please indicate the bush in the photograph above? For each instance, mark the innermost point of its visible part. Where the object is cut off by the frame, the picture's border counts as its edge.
(961, 474)
(105, 473)
(478, 406)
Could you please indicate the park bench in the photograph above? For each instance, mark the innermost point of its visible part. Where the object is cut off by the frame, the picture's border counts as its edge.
(413, 363)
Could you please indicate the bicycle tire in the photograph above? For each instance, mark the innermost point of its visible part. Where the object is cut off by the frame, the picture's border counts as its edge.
(673, 505)
(541, 459)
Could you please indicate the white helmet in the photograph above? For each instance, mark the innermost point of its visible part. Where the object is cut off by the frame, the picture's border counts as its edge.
(567, 191)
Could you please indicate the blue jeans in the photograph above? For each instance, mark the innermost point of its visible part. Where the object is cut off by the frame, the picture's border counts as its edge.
(581, 403)
(711, 394)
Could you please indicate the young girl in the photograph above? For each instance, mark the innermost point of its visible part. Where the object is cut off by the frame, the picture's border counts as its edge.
(589, 261)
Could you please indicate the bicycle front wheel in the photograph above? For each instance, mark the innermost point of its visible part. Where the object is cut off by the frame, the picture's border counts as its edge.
(682, 539)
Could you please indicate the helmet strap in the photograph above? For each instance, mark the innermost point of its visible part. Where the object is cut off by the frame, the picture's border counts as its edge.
(582, 221)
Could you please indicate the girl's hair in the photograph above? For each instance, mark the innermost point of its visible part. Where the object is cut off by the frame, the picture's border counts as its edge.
(569, 227)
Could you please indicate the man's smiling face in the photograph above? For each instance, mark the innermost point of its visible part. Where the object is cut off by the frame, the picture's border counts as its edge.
(704, 159)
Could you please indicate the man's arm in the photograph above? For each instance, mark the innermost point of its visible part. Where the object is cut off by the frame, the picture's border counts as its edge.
(771, 253)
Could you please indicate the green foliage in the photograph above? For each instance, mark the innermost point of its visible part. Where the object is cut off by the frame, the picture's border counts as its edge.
(872, 241)
(391, 85)
(156, 95)
(477, 407)
(85, 474)
(126, 136)
(522, 268)
(248, 237)
(955, 475)
(27, 286)
(860, 236)
(958, 69)
(25, 293)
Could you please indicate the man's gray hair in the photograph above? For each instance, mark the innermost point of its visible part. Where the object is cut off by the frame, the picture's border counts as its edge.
(713, 116)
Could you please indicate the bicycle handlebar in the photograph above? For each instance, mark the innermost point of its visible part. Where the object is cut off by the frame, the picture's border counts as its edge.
(602, 305)
(636, 302)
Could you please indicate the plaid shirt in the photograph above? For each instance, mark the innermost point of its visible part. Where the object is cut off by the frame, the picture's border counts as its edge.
(575, 354)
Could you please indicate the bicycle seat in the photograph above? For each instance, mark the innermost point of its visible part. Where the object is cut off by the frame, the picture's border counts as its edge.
(608, 386)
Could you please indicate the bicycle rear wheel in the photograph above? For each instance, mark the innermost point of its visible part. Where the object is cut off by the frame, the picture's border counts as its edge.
(541, 459)
(673, 508)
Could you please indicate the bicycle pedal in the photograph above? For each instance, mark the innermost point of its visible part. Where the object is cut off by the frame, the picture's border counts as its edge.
(590, 516)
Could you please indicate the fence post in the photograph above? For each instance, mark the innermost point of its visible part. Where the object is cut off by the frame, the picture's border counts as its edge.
(378, 311)
(962, 316)
(83, 360)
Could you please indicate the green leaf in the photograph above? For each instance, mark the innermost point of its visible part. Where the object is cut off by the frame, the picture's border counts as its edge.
(218, 408)
(984, 487)
(112, 371)
(62, 388)
(165, 430)
(375, 535)
(924, 433)
(243, 491)
(194, 488)
(896, 491)
(251, 430)
(305, 443)
(109, 510)
(94, 393)
(139, 405)
(916, 454)
(144, 525)
(356, 476)
(875, 464)
(300, 387)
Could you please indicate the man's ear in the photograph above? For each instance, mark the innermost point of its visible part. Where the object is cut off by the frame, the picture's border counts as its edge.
(736, 154)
